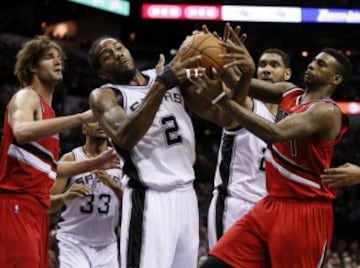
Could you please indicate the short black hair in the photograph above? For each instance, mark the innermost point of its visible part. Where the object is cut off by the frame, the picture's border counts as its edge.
(345, 66)
(284, 56)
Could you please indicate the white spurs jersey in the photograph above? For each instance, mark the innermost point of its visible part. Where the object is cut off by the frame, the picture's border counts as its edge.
(163, 159)
(241, 164)
(92, 219)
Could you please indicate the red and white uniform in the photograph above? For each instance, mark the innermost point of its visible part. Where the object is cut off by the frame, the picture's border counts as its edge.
(293, 167)
(27, 172)
(297, 215)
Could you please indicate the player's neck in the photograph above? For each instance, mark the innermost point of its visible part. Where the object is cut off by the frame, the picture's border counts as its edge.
(45, 91)
(94, 148)
(314, 95)
(139, 79)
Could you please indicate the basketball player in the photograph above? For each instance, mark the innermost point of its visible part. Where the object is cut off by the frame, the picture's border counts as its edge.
(144, 114)
(240, 177)
(297, 215)
(29, 154)
(86, 231)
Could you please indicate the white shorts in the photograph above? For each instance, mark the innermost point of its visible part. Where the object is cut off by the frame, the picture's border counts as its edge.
(74, 254)
(234, 209)
(159, 229)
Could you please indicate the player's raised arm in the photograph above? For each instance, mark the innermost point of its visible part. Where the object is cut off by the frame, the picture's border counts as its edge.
(25, 118)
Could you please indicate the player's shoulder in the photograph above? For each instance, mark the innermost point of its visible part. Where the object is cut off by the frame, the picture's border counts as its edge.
(26, 93)
(105, 91)
(290, 88)
(69, 156)
(24, 97)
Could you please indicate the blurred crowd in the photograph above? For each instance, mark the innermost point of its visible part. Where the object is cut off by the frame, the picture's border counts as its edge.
(71, 97)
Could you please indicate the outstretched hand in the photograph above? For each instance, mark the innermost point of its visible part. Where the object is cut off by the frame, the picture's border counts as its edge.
(344, 175)
(103, 176)
(76, 190)
(237, 53)
(209, 86)
(107, 160)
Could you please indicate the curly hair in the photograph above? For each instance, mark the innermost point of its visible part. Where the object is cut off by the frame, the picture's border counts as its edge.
(29, 55)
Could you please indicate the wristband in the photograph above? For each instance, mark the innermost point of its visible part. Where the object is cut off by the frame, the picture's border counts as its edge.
(218, 98)
(168, 78)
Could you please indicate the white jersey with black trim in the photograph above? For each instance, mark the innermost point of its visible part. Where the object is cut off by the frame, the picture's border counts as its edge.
(92, 219)
(163, 159)
(241, 159)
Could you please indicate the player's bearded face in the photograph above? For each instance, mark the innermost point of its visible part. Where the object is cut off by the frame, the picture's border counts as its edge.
(127, 75)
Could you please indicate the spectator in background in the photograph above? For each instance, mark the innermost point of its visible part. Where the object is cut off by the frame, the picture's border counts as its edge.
(29, 153)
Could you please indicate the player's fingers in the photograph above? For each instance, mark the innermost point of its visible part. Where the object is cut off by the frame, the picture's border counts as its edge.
(190, 61)
(80, 191)
(232, 47)
(226, 32)
(243, 37)
(331, 171)
(237, 30)
(160, 65)
(216, 35)
(204, 28)
(328, 176)
(234, 36)
(193, 73)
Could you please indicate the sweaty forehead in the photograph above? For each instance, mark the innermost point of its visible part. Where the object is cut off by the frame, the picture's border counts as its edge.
(326, 57)
(106, 41)
(270, 57)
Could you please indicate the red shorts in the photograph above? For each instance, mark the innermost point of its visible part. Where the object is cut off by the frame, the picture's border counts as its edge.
(279, 233)
(24, 232)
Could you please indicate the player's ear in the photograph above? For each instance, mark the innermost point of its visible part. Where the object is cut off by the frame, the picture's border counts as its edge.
(84, 127)
(287, 74)
(337, 79)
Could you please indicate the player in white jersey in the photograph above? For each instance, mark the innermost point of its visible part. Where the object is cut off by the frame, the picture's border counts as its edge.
(144, 114)
(240, 178)
(87, 230)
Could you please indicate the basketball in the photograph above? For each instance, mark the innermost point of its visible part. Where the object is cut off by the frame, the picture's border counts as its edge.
(208, 46)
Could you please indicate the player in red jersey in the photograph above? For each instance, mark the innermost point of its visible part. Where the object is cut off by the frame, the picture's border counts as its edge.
(29, 153)
(293, 225)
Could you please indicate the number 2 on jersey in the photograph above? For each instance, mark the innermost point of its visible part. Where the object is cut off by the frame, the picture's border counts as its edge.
(171, 130)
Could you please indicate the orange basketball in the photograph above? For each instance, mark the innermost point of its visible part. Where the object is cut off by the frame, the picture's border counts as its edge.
(208, 46)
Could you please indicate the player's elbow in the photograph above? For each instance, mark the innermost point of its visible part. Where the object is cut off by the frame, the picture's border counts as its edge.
(22, 136)
(125, 141)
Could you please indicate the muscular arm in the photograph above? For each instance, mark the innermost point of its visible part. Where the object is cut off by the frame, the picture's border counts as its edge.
(106, 160)
(26, 122)
(58, 195)
(205, 109)
(322, 120)
(125, 130)
(268, 92)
